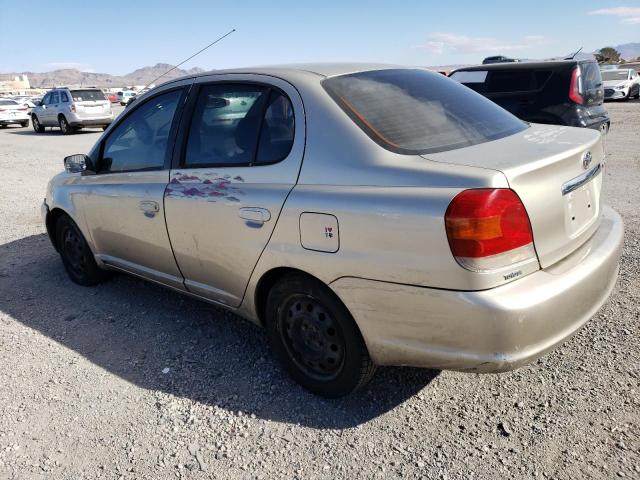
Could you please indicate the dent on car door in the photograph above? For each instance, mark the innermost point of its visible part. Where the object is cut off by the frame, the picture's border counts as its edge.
(240, 158)
(123, 202)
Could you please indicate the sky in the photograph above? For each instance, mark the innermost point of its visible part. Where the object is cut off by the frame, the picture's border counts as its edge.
(119, 36)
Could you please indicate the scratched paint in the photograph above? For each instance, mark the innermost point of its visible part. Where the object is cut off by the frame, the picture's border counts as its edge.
(208, 186)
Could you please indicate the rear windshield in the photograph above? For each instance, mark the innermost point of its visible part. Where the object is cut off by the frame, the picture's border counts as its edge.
(414, 111)
(86, 95)
(615, 75)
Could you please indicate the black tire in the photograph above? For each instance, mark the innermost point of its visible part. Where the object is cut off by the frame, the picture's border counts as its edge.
(76, 255)
(104, 127)
(637, 96)
(315, 337)
(65, 128)
(24, 124)
(37, 126)
(3, 125)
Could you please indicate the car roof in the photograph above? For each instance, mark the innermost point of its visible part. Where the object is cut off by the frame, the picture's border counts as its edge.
(320, 69)
(524, 65)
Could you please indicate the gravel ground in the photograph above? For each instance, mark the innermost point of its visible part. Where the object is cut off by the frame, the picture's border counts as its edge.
(129, 380)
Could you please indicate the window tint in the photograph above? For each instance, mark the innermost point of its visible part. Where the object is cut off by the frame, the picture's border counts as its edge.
(590, 73)
(55, 97)
(64, 96)
(516, 80)
(276, 135)
(415, 111)
(46, 98)
(140, 141)
(85, 95)
(225, 125)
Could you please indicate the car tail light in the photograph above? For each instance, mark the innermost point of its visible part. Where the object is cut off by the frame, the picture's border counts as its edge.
(488, 229)
(575, 87)
(72, 107)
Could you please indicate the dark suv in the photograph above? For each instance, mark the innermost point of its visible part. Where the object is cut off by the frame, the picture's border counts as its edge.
(560, 92)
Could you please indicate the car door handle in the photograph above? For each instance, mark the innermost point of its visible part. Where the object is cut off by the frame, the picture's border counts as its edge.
(149, 207)
(255, 214)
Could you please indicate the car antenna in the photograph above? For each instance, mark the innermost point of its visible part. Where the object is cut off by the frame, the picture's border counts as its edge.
(573, 56)
(197, 53)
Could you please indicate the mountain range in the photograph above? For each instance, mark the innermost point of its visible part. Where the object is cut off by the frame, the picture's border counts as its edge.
(73, 77)
(145, 75)
(629, 51)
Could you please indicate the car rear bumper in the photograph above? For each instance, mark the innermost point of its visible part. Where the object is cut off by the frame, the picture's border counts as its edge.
(18, 118)
(75, 120)
(492, 330)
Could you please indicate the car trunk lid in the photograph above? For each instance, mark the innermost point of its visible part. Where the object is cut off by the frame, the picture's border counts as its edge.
(90, 103)
(557, 173)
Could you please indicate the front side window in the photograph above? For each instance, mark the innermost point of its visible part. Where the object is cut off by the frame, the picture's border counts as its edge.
(414, 111)
(46, 100)
(139, 142)
(55, 98)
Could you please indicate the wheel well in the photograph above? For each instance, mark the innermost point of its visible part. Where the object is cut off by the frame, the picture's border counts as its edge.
(51, 221)
(268, 280)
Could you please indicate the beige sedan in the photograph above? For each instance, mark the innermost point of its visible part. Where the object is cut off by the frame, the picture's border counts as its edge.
(366, 215)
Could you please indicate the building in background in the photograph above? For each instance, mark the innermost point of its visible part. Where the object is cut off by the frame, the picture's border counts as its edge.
(19, 85)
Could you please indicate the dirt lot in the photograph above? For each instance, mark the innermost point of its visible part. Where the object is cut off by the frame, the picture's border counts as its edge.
(83, 394)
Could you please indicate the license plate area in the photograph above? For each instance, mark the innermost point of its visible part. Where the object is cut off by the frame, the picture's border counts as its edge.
(581, 207)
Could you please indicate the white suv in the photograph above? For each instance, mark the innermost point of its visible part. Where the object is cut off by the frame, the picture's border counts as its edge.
(71, 110)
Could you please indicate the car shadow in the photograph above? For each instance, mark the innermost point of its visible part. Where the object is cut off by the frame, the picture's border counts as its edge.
(137, 330)
(50, 131)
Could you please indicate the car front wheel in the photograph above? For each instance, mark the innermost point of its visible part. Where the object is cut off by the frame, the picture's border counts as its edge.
(24, 124)
(76, 255)
(316, 338)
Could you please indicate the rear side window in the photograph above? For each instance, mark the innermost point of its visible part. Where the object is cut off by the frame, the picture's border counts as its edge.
(64, 96)
(590, 74)
(237, 124)
(276, 135)
(139, 142)
(87, 95)
(415, 111)
(516, 80)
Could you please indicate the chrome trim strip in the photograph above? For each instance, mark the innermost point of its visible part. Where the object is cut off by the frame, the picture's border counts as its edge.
(580, 180)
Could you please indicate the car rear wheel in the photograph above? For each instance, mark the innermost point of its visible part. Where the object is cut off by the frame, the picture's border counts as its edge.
(37, 127)
(76, 255)
(25, 123)
(316, 338)
(65, 128)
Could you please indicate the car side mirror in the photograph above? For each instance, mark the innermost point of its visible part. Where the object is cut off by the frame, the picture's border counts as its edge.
(79, 163)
